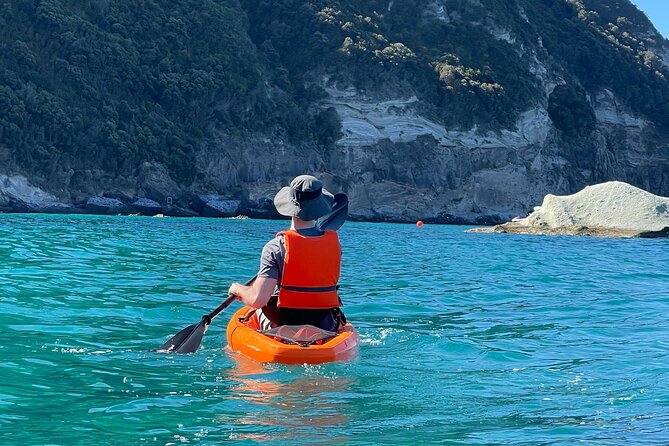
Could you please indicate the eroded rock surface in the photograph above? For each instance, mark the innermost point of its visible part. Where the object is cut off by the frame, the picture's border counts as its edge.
(612, 209)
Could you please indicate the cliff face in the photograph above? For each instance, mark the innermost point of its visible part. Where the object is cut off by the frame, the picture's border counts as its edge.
(400, 165)
(450, 111)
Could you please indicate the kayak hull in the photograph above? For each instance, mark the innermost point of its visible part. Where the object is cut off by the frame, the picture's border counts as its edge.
(244, 338)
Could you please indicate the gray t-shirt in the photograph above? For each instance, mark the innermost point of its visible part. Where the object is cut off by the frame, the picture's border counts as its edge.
(274, 253)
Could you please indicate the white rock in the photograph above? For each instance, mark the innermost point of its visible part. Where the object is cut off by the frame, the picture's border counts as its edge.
(502, 34)
(437, 9)
(612, 205)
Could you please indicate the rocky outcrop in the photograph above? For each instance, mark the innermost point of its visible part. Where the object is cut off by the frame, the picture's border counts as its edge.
(18, 195)
(397, 165)
(366, 121)
(104, 205)
(146, 206)
(609, 111)
(215, 206)
(155, 183)
(612, 209)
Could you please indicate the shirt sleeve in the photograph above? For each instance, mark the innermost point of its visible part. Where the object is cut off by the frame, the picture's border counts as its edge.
(269, 260)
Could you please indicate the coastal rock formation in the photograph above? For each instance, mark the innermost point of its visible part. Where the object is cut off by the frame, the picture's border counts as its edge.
(215, 206)
(146, 206)
(18, 195)
(104, 205)
(443, 111)
(612, 209)
(156, 184)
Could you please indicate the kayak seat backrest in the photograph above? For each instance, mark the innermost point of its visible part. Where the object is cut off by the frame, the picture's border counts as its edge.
(299, 334)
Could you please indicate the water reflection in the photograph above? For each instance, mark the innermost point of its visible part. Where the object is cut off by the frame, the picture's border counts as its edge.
(311, 405)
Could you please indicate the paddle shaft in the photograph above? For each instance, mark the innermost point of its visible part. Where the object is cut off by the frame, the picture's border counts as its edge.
(226, 303)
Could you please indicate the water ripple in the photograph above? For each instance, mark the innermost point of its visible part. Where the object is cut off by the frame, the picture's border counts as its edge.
(466, 338)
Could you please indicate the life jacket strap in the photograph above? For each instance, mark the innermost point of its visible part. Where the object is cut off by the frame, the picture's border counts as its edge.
(320, 289)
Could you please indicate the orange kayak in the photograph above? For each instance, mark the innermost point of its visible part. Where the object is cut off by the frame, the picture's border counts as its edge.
(244, 337)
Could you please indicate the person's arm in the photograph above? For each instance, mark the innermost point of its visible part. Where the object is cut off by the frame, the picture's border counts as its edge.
(255, 295)
(260, 291)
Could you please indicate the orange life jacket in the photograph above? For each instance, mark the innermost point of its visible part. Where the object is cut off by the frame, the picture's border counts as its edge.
(310, 271)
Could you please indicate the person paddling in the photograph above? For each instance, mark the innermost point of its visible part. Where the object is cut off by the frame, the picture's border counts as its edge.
(300, 267)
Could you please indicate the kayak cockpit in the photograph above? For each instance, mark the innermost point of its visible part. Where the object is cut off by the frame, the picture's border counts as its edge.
(290, 344)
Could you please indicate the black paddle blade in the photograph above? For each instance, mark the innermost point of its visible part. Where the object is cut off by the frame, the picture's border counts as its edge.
(187, 340)
(336, 218)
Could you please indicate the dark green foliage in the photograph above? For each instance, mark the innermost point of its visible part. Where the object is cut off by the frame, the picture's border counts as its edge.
(326, 128)
(112, 83)
(380, 48)
(107, 84)
(569, 110)
(606, 44)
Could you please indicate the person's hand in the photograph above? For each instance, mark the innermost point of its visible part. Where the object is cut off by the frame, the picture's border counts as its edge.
(234, 290)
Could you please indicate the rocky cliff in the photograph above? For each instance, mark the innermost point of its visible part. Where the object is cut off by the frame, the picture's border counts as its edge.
(442, 110)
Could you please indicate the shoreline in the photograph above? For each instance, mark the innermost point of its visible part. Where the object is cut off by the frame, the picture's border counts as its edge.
(582, 231)
(486, 221)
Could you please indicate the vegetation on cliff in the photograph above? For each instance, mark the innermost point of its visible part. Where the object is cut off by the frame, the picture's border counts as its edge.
(604, 44)
(107, 84)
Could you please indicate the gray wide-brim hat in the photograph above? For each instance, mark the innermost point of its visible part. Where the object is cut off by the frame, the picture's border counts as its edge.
(305, 198)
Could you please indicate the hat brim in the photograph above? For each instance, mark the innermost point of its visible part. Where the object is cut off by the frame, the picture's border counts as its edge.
(305, 210)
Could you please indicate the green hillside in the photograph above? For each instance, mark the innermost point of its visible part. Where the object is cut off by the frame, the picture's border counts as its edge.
(108, 84)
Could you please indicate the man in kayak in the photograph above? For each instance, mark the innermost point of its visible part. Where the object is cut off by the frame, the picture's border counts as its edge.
(299, 268)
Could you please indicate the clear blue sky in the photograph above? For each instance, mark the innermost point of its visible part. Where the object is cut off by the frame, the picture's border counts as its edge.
(658, 13)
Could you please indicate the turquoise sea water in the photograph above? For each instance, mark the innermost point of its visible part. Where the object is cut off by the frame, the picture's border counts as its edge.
(474, 339)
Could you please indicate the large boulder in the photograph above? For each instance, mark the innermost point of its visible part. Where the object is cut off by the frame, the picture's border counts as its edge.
(178, 211)
(146, 206)
(215, 206)
(105, 205)
(612, 205)
(261, 207)
(612, 209)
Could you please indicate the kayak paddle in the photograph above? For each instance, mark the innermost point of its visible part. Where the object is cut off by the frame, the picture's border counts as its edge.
(189, 339)
(337, 215)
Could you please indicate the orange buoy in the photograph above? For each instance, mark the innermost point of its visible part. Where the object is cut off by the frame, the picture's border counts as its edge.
(419, 223)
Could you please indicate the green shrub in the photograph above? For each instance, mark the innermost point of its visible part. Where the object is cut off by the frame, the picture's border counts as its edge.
(570, 111)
